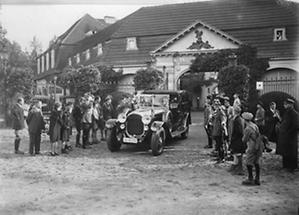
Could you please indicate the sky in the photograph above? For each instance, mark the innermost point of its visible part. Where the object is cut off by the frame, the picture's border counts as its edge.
(45, 19)
(24, 19)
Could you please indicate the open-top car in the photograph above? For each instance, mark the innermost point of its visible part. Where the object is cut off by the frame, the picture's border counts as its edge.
(158, 116)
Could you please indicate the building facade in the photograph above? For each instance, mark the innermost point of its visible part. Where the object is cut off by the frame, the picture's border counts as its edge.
(52, 61)
(169, 37)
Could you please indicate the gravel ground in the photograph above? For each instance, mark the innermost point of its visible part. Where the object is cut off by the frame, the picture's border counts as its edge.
(183, 180)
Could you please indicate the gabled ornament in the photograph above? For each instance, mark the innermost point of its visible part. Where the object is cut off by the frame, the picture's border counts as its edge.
(200, 44)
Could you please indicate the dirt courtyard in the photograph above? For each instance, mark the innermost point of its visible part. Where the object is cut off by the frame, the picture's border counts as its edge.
(183, 180)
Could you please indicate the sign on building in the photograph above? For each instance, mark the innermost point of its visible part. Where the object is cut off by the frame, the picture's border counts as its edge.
(259, 85)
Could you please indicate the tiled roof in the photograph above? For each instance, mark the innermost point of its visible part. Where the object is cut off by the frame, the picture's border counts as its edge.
(249, 21)
(222, 14)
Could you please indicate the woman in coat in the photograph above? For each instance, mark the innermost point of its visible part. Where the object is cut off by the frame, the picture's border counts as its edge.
(237, 146)
(273, 119)
(55, 128)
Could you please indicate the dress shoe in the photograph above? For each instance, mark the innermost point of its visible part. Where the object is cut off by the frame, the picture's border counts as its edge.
(248, 182)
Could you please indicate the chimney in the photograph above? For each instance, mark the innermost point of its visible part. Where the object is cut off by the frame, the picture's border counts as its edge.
(109, 19)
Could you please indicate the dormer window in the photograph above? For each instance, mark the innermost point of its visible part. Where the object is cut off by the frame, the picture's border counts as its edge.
(131, 43)
(70, 61)
(77, 58)
(279, 34)
(100, 49)
(87, 54)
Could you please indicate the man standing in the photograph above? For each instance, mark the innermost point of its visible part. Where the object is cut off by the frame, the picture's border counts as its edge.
(288, 139)
(36, 124)
(207, 121)
(219, 124)
(18, 123)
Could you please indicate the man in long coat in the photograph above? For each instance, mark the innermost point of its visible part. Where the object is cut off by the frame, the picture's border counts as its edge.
(288, 137)
(18, 122)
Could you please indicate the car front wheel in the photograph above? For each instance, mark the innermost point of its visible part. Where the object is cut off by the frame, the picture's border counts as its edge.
(158, 142)
(112, 142)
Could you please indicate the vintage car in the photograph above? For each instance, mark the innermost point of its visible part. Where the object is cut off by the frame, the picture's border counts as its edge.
(157, 116)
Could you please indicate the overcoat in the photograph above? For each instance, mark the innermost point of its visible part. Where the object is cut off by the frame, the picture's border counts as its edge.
(18, 120)
(237, 145)
(55, 126)
(35, 121)
(288, 135)
(271, 121)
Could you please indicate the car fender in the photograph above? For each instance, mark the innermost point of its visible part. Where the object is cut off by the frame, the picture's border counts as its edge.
(110, 123)
(156, 126)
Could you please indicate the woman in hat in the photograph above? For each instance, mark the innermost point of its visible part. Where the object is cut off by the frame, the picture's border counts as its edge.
(254, 149)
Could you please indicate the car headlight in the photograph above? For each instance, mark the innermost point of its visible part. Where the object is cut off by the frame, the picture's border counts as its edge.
(121, 118)
(146, 120)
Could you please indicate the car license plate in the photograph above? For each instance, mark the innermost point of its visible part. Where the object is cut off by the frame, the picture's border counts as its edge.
(130, 140)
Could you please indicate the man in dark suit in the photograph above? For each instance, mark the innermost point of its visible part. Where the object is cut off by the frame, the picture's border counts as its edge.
(288, 136)
(18, 122)
(36, 124)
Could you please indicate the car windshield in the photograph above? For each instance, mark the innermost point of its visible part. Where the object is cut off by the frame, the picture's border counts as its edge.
(154, 100)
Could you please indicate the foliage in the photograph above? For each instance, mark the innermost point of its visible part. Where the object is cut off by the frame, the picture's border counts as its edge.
(15, 75)
(97, 80)
(234, 79)
(148, 79)
(245, 55)
(80, 80)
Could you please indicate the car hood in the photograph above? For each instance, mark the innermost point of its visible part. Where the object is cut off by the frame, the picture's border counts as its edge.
(148, 111)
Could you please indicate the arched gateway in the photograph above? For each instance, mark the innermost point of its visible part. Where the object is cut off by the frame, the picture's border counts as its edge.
(175, 56)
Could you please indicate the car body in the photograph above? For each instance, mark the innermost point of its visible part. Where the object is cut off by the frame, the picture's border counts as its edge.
(158, 116)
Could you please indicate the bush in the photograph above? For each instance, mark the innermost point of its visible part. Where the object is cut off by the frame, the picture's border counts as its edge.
(148, 79)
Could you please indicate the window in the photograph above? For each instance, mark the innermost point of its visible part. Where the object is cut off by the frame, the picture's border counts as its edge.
(70, 61)
(52, 58)
(100, 49)
(87, 54)
(43, 64)
(131, 43)
(78, 58)
(47, 61)
(38, 65)
(279, 34)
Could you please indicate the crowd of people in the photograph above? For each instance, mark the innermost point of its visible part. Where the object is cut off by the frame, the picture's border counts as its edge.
(233, 133)
(87, 115)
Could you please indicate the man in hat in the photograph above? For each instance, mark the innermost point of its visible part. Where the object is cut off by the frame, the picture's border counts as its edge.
(254, 150)
(260, 122)
(18, 123)
(288, 139)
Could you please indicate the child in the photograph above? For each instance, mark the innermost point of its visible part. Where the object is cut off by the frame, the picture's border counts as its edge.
(55, 128)
(252, 138)
(66, 127)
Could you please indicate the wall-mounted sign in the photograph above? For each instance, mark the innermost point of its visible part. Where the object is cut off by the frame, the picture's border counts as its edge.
(259, 85)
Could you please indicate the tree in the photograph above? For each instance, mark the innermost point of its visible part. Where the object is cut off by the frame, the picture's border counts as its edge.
(148, 79)
(245, 55)
(234, 79)
(15, 75)
(35, 50)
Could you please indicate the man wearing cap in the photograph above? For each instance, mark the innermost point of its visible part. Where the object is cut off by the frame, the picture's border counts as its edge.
(288, 139)
(254, 149)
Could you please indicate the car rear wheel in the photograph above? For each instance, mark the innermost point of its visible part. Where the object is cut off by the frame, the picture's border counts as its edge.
(158, 142)
(112, 142)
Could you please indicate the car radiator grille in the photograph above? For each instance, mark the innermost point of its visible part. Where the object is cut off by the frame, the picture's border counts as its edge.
(134, 125)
